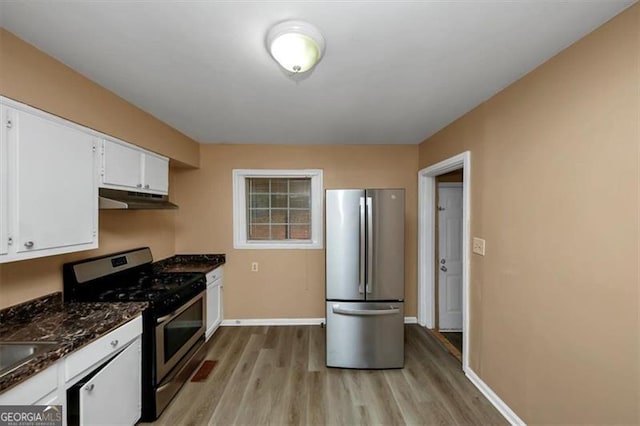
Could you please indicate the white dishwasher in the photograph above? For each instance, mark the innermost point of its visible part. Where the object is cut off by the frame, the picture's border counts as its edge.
(214, 300)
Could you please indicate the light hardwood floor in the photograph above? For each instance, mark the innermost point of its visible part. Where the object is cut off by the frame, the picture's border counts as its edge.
(277, 375)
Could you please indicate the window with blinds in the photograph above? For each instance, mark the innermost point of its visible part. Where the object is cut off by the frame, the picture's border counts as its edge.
(278, 208)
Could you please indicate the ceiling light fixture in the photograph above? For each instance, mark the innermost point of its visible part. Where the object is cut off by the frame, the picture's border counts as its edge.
(296, 45)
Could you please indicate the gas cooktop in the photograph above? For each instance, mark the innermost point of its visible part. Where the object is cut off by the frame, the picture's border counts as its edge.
(149, 287)
(129, 277)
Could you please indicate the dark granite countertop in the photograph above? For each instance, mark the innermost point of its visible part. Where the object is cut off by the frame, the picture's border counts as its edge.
(190, 263)
(71, 325)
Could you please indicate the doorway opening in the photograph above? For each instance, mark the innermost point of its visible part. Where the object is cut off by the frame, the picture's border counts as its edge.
(443, 252)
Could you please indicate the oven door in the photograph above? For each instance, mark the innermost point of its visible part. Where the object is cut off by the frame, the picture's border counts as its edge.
(177, 332)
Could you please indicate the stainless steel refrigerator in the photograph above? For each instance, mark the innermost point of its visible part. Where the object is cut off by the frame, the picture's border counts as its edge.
(365, 278)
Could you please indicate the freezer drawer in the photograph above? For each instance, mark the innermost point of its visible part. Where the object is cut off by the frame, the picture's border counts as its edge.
(365, 335)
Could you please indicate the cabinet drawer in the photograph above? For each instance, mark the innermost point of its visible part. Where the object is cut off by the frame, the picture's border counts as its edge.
(105, 346)
(33, 389)
(216, 274)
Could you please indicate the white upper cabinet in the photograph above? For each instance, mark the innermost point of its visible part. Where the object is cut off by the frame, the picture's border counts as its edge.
(3, 185)
(128, 167)
(124, 166)
(50, 185)
(156, 173)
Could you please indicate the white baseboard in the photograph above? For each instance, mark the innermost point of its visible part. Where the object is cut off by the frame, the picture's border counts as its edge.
(272, 321)
(494, 399)
(287, 321)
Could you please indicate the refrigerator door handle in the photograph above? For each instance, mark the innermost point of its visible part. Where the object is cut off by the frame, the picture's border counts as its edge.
(369, 285)
(365, 312)
(361, 270)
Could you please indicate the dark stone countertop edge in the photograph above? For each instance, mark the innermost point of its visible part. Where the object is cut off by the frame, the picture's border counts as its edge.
(28, 322)
(190, 263)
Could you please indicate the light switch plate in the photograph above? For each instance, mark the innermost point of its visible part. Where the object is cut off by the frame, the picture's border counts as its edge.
(478, 246)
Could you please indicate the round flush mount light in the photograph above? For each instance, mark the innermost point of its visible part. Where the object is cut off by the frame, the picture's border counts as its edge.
(296, 45)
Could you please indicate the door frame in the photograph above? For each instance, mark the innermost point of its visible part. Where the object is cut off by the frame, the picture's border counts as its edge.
(426, 243)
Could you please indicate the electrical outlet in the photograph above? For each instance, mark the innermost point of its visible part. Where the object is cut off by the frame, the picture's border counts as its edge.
(254, 267)
(478, 246)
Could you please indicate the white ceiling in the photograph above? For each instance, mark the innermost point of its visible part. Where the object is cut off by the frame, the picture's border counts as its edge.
(394, 72)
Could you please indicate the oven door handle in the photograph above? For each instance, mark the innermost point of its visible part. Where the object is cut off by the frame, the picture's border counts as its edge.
(178, 311)
(166, 317)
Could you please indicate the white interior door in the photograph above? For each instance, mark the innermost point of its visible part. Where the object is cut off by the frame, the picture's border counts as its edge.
(450, 257)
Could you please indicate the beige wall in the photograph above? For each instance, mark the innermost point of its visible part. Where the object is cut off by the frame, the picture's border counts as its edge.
(119, 230)
(30, 76)
(555, 192)
(290, 283)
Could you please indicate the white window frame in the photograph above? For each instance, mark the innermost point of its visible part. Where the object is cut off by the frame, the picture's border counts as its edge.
(240, 240)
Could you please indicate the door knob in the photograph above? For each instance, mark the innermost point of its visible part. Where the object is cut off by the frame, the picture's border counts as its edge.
(443, 268)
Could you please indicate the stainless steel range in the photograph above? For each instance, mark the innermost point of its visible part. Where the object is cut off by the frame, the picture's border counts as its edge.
(173, 325)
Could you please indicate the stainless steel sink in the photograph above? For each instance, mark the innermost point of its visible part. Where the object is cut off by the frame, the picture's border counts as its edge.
(14, 354)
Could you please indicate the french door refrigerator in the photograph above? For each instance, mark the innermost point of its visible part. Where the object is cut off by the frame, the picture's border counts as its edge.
(365, 278)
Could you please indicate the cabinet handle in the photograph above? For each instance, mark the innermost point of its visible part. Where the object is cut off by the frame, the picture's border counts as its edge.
(90, 387)
(139, 185)
(146, 186)
(114, 343)
(28, 244)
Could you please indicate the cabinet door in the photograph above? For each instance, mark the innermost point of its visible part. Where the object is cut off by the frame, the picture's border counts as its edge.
(54, 201)
(156, 174)
(113, 395)
(214, 303)
(6, 123)
(121, 167)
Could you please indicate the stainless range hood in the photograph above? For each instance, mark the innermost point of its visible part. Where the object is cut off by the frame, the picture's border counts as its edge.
(115, 199)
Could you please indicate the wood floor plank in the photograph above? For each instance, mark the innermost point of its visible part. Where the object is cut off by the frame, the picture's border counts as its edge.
(229, 406)
(277, 375)
(257, 397)
(317, 398)
(404, 396)
(316, 349)
(381, 404)
(294, 406)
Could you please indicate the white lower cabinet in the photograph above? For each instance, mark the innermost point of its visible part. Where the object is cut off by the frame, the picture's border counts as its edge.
(42, 386)
(106, 387)
(214, 301)
(104, 379)
(112, 395)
